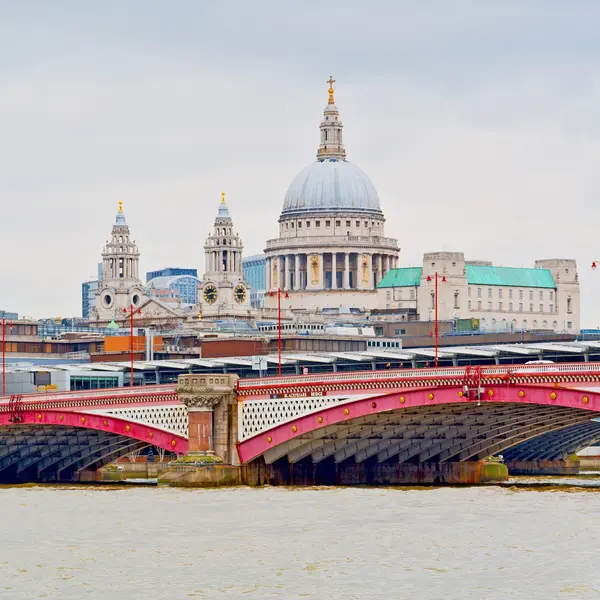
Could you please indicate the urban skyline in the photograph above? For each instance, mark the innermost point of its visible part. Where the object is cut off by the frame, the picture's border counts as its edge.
(470, 151)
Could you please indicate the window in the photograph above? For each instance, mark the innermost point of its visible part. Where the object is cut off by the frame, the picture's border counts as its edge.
(412, 293)
(530, 307)
(499, 292)
(524, 324)
(569, 325)
(432, 300)
(299, 224)
(541, 294)
(489, 305)
(479, 292)
(469, 304)
(534, 324)
(327, 223)
(338, 223)
(307, 224)
(287, 225)
(520, 307)
(510, 294)
(292, 225)
(541, 308)
(456, 300)
(551, 295)
(366, 223)
(469, 293)
(500, 305)
(347, 223)
(569, 308)
(554, 324)
(388, 295)
(453, 264)
(552, 308)
(317, 223)
(478, 304)
(520, 294)
(358, 223)
(531, 294)
(510, 306)
(545, 324)
(489, 292)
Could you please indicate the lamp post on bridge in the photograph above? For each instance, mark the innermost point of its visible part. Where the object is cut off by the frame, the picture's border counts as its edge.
(286, 295)
(131, 311)
(4, 323)
(437, 329)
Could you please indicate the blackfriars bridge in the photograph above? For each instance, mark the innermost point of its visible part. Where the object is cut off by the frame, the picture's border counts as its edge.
(395, 426)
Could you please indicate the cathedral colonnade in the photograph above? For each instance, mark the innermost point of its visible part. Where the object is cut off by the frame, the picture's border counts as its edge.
(354, 270)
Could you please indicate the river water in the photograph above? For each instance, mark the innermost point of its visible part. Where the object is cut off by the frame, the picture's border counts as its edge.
(118, 542)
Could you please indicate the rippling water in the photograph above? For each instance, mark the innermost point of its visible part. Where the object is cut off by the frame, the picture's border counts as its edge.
(156, 543)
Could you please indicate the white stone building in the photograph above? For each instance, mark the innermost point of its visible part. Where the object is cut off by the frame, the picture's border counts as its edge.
(223, 291)
(331, 250)
(502, 298)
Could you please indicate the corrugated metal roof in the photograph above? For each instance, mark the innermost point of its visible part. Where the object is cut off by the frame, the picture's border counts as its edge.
(402, 277)
(510, 276)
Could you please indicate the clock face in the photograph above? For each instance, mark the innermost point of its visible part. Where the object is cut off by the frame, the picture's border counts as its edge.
(210, 294)
(239, 293)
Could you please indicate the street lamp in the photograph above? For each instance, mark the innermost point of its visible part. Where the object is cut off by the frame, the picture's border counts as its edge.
(131, 311)
(272, 293)
(4, 354)
(437, 329)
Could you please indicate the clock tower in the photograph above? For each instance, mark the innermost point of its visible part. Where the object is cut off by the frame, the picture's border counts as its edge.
(223, 291)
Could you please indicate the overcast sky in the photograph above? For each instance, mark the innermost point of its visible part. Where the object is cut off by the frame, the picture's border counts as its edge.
(479, 124)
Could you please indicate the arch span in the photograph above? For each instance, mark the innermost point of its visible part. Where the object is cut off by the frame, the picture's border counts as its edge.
(425, 425)
(53, 445)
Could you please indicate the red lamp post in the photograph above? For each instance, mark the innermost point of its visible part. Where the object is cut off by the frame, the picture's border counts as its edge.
(272, 293)
(4, 354)
(437, 329)
(131, 311)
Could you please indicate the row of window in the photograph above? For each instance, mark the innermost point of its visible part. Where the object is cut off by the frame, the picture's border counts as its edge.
(534, 324)
(510, 306)
(510, 293)
(338, 223)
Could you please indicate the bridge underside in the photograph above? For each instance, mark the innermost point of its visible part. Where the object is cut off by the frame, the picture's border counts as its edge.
(57, 453)
(556, 445)
(390, 447)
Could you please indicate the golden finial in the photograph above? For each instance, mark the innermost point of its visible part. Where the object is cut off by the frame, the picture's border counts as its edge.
(331, 81)
(120, 206)
(222, 197)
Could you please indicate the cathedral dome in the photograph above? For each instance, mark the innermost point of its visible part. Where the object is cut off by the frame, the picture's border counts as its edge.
(332, 184)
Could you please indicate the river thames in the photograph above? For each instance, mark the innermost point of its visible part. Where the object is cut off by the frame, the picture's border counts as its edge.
(113, 542)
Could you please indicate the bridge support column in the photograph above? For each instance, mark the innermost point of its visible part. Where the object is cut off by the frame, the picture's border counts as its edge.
(569, 466)
(212, 414)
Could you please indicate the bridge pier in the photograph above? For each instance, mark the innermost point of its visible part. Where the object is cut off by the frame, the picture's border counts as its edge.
(569, 466)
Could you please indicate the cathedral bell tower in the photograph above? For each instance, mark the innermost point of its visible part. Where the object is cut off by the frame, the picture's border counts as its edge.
(223, 291)
(120, 286)
(331, 145)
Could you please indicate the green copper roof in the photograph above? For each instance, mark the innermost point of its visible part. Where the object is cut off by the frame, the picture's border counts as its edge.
(403, 277)
(112, 324)
(510, 276)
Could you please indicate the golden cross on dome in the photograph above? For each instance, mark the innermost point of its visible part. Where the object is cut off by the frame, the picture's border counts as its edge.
(222, 197)
(331, 81)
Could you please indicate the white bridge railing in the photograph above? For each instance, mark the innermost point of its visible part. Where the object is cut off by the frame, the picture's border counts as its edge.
(450, 373)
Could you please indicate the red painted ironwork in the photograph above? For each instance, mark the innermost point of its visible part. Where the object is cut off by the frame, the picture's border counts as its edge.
(339, 413)
(14, 408)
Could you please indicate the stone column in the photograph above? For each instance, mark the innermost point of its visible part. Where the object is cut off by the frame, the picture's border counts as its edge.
(379, 268)
(346, 282)
(206, 396)
(296, 271)
(322, 270)
(286, 280)
(333, 271)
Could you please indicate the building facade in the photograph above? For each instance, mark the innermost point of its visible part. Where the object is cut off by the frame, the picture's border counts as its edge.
(545, 297)
(223, 291)
(176, 289)
(120, 287)
(331, 250)
(170, 272)
(254, 273)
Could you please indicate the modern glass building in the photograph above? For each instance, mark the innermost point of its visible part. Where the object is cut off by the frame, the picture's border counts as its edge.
(170, 272)
(183, 287)
(254, 273)
(88, 293)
